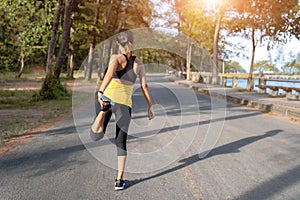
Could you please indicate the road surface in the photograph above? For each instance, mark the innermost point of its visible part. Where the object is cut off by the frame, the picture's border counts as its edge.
(256, 155)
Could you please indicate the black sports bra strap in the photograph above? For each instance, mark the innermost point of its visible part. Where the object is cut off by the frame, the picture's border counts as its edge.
(127, 73)
(126, 57)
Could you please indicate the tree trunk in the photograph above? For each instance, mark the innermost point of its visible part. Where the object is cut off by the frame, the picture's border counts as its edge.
(250, 82)
(109, 52)
(123, 19)
(22, 65)
(88, 74)
(114, 27)
(53, 40)
(215, 51)
(71, 63)
(70, 68)
(102, 47)
(100, 66)
(93, 44)
(188, 59)
(61, 58)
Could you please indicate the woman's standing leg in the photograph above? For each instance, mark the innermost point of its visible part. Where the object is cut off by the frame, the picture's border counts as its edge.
(123, 117)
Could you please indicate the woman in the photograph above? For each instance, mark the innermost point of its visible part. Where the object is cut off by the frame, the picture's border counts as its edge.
(115, 96)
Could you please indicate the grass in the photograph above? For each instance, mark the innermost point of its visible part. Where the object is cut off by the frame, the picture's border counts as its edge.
(241, 89)
(25, 76)
(16, 98)
(21, 113)
(242, 76)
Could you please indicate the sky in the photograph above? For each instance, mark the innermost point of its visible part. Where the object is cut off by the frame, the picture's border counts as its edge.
(292, 48)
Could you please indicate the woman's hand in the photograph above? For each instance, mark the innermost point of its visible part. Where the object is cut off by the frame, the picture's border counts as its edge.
(100, 98)
(150, 113)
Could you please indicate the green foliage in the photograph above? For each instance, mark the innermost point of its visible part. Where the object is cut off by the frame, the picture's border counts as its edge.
(158, 58)
(11, 99)
(271, 20)
(26, 26)
(114, 14)
(292, 67)
(195, 22)
(263, 66)
(51, 89)
(231, 67)
(8, 57)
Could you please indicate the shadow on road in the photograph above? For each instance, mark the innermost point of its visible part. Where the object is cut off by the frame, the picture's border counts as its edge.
(273, 186)
(187, 125)
(48, 158)
(233, 147)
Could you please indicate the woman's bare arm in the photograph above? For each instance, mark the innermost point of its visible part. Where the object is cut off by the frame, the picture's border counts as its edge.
(142, 77)
(109, 74)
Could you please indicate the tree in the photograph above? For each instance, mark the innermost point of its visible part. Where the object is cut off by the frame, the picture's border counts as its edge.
(264, 21)
(26, 29)
(114, 14)
(64, 46)
(196, 25)
(51, 87)
(204, 20)
(215, 48)
(263, 66)
(293, 67)
(53, 41)
(233, 67)
(93, 43)
(219, 9)
(8, 46)
(103, 37)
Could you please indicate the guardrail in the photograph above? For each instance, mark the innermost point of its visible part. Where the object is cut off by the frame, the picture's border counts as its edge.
(260, 84)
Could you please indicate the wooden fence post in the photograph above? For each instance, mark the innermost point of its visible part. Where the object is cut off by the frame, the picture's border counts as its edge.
(224, 81)
(262, 81)
(235, 81)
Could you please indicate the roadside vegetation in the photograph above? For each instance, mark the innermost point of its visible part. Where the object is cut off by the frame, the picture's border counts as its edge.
(22, 110)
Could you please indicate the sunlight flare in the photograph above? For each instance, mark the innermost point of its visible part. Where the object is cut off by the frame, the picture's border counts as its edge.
(211, 4)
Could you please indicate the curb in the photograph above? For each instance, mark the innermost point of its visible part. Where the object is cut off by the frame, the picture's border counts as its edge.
(285, 111)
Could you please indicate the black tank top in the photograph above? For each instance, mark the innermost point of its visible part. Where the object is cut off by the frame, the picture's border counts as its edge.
(127, 73)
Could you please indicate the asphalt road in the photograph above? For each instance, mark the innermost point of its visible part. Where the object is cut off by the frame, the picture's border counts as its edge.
(253, 155)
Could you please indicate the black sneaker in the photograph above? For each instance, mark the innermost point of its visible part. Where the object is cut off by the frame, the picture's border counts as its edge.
(119, 185)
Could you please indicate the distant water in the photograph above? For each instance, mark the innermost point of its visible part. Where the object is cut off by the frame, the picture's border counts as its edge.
(242, 83)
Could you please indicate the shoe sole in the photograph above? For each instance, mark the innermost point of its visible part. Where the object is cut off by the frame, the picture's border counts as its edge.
(96, 136)
(98, 124)
(120, 188)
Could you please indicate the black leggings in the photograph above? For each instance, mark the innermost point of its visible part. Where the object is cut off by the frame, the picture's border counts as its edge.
(122, 117)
